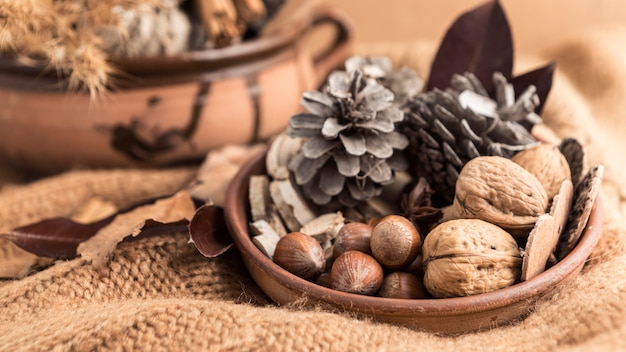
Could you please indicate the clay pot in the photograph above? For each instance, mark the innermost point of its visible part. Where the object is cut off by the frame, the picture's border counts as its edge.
(440, 315)
(175, 109)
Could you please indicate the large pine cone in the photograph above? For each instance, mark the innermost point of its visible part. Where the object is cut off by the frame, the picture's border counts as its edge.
(448, 128)
(352, 147)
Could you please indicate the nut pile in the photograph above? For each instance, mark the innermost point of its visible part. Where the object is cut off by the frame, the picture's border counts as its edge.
(510, 220)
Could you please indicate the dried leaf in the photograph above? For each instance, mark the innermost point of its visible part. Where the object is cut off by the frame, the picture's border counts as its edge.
(94, 209)
(541, 78)
(479, 41)
(208, 231)
(218, 168)
(172, 209)
(54, 238)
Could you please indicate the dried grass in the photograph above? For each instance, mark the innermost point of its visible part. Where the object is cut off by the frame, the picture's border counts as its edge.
(62, 34)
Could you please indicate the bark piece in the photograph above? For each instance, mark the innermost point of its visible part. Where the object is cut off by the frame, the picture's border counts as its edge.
(324, 227)
(290, 204)
(265, 238)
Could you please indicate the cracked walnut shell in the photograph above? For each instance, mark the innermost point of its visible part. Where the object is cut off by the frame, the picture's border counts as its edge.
(466, 257)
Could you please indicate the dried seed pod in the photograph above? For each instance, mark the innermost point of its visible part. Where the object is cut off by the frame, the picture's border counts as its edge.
(399, 284)
(353, 236)
(395, 242)
(301, 255)
(356, 272)
(548, 164)
(469, 256)
(499, 191)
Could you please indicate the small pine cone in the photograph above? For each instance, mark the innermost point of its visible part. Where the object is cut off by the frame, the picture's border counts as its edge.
(352, 148)
(448, 128)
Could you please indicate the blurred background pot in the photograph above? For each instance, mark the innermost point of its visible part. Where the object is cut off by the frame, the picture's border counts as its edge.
(171, 109)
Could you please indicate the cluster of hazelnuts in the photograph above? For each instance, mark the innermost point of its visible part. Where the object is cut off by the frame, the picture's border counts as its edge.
(383, 260)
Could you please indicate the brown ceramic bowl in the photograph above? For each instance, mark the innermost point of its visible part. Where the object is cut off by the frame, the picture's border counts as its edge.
(170, 109)
(445, 316)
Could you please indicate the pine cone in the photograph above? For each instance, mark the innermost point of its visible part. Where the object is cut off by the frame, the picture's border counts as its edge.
(404, 83)
(448, 128)
(352, 147)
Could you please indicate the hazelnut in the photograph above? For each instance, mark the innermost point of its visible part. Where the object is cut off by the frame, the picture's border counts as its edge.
(469, 256)
(356, 272)
(395, 242)
(399, 284)
(324, 280)
(353, 236)
(301, 255)
(417, 266)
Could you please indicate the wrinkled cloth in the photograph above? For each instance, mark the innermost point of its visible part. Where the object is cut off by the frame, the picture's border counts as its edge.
(159, 293)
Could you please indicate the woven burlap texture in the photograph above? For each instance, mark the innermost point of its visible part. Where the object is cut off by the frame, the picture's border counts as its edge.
(160, 294)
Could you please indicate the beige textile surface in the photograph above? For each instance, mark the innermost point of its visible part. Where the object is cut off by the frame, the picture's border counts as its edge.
(160, 294)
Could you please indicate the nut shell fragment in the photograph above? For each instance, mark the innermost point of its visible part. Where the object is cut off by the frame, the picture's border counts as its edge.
(469, 256)
(576, 158)
(541, 242)
(585, 196)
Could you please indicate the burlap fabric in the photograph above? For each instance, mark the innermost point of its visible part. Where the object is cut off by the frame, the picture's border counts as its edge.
(160, 294)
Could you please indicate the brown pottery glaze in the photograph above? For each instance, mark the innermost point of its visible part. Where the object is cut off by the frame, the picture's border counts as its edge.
(171, 109)
(444, 315)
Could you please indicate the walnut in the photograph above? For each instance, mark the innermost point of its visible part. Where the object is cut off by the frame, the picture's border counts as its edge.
(469, 256)
(548, 164)
(499, 191)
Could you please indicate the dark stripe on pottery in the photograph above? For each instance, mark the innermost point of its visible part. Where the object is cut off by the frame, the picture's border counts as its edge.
(254, 91)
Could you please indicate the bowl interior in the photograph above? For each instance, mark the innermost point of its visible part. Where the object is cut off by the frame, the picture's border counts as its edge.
(444, 315)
